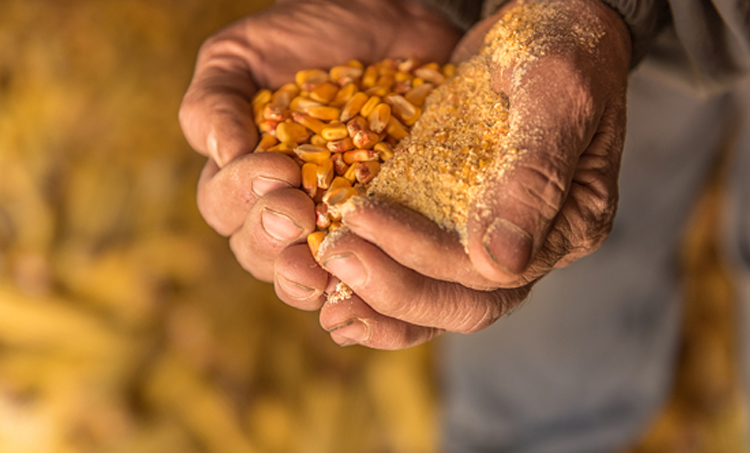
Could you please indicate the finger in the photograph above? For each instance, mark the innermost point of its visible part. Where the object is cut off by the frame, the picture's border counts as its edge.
(549, 130)
(414, 241)
(216, 112)
(299, 280)
(279, 219)
(351, 321)
(226, 195)
(398, 292)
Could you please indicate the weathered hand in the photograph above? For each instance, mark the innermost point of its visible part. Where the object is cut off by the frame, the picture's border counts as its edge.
(253, 197)
(567, 113)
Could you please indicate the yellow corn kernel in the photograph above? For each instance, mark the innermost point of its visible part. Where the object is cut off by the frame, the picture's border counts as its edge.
(379, 117)
(335, 225)
(369, 106)
(284, 148)
(308, 79)
(355, 64)
(370, 77)
(349, 73)
(311, 153)
(448, 70)
(339, 146)
(278, 108)
(325, 173)
(387, 66)
(366, 171)
(317, 140)
(350, 174)
(265, 142)
(417, 81)
(339, 196)
(336, 132)
(353, 106)
(262, 97)
(289, 131)
(324, 113)
(268, 127)
(338, 182)
(384, 150)
(310, 178)
(344, 95)
(418, 94)
(322, 220)
(314, 240)
(355, 125)
(408, 65)
(309, 122)
(403, 77)
(429, 74)
(404, 110)
(365, 139)
(339, 166)
(301, 104)
(396, 130)
(359, 155)
(289, 88)
(377, 91)
(324, 92)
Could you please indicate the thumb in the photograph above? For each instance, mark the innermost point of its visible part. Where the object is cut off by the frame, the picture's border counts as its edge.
(552, 118)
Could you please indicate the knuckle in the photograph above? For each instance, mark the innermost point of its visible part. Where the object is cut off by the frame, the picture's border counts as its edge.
(542, 189)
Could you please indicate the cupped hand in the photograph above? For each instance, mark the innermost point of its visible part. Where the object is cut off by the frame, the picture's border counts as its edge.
(567, 89)
(253, 198)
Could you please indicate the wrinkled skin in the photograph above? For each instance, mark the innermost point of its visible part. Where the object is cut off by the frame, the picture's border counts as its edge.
(412, 279)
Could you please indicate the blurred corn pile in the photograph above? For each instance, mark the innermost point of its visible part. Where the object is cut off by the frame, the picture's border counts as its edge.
(125, 323)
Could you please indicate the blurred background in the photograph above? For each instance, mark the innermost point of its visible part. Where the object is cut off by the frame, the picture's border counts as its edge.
(127, 326)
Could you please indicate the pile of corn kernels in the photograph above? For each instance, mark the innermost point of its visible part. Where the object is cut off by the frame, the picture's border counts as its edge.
(340, 125)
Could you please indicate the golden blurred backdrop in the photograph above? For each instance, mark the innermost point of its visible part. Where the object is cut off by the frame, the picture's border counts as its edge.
(125, 323)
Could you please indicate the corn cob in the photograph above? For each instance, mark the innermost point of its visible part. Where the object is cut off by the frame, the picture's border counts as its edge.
(341, 124)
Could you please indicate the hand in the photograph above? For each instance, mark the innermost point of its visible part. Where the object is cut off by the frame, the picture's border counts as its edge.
(253, 197)
(413, 280)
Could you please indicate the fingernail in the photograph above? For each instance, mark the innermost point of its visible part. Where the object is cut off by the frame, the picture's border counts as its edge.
(263, 185)
(348, 268)
(279, 226)
(351, 332)
(295, 290)
(508, 246)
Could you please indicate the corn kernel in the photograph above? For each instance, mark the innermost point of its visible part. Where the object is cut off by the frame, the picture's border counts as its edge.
(325, 173)
(379, 117)
(448, 70)
(339, 166)
(404, 110)
(324, 92)
(289, 131)
(353, 106)
(262, 97)
(336, 132)
(311, 153)
(385, 151)
(369, 106)
(310, 179)
(370, 77)
(314, 240)
(365, 139)
(265, 142)
(309, 122)
(408, 65)
(355, 125)
(359, 155)
(355, 64)
(339, 196)
(339, 146)
(344, 95)
(396, 130)
(310, 78)
(366, 171)
(301, 104)
(284, 148)
(318, 140)
(429, 74)
(324, 113)
(322, 220)
(338, 73)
